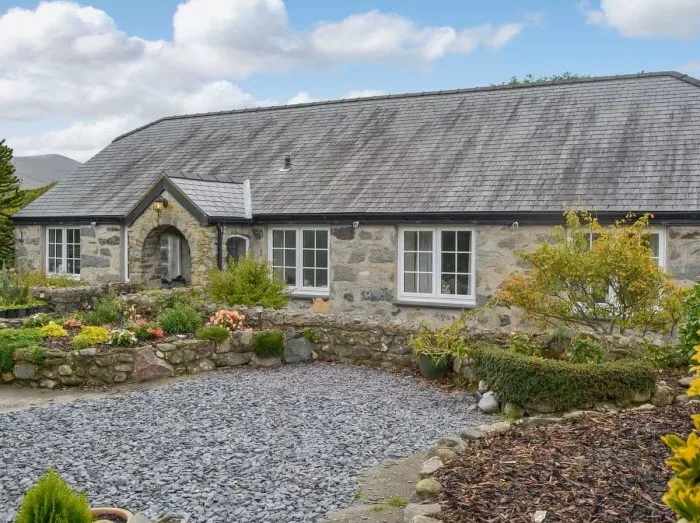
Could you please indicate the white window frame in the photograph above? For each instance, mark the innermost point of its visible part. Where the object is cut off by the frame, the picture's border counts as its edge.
(437, 297)
(299, 289)
(239, 236)
(660, 230)
(64, 250)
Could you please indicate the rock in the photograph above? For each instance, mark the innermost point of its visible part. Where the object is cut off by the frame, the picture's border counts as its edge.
(139, 518)
(453, 442)
(147, 366)
(513, 411)
(71, 381)
(537, 421)
(419, 509)
(578, 414)
(297, 349)
(265, 362)
(166, 347)
(483, 387)
(489, 403)
(685, 382)
(8, 377)
(646, 406)
(123, 367)
(48, 384)
(65, 370)
(471, 433)
(663, 395)
(681, 399)
(424, 519)
(444, 454)
(86, 353)
(605, 406)
(641, 396)
(24, 371)
(538, 407)
(430, 467)
(495, 428)
(314, 355)
(428, 488)
(203, 365)
(232, 359)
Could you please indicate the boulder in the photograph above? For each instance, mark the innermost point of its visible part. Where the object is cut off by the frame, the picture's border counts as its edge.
(424, 519)
(538, 407)
(231, 359)
(663, 395)
(8, 377)
(297, 349)
(147, 366)
(641, 396)
(489, 403)
(428, 488)
(48, 384)
(537, 422)
(685, 382)
(418, 509)
(203, 365)
(681, 399)
(265, 362)
(495, 428)
(430, 467)
(455, 443)
(65, 370)
(24, 371)
(483, 387)
(444, 454)
(472, 433)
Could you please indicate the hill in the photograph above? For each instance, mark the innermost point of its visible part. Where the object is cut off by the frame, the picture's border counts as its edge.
(41, 170)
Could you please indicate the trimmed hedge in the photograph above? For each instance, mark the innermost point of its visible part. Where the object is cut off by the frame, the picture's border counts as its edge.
(562, 385)
(268, 344)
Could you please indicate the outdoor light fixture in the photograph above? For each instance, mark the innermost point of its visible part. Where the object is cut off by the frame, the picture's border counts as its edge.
(159, 204)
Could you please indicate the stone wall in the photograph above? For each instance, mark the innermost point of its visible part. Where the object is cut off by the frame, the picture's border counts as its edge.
(683, 252)
(29, 247)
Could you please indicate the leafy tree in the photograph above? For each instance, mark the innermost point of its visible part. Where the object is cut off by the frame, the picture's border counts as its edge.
(247, 282)
(607, 284)
(10, 200)
(529, 78)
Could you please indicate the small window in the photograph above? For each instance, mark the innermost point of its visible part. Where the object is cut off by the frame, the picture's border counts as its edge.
(63, 251)
(171, 256)
(657, 244)
(300, 257)
(236, 247)
(436, 264)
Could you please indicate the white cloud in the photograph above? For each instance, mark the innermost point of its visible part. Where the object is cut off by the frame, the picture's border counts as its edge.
(63, 61)
(363, 93)
(679, 19)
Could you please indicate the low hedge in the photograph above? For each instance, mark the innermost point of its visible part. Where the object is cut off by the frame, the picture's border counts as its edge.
(268, 344)
(562, 385)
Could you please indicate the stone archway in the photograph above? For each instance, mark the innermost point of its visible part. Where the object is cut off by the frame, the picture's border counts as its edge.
(164, 258)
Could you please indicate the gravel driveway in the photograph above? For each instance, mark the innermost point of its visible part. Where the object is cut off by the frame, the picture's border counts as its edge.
(275, 445)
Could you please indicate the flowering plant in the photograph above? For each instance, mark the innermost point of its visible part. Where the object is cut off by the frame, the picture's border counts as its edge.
(132, 317)
(122, 338)
(72, 323)
(148, 331)
(230, 320)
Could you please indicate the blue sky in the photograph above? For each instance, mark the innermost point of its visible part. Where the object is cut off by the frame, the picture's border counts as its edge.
(72, 102)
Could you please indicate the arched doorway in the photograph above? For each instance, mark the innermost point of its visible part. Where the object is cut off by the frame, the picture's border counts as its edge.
(165, 258)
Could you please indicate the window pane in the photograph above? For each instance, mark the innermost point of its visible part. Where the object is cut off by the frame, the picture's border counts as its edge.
(425, 241)
(290, 239)
(278, 238)
(76, 267)
(463, 284)
(69, 266)
(52, 235)
(654, 244)
(69, 235)
(59, 250)
(59, 235)
(409, 282)
(425, 283)
(291, 276)
(448, 262)
(463, 262)
(322, 259)
(309, 239)
(447, 284)
(76, 235)
(321, 239)
(409, 261)
(425, 262)
(309, 278)
(277, 257)
(464, 240)
(322, 278)
(76, 251)
(290, 257)
(410, 241)
(52, 265)
(449, 241)
(69, 250)
(308, 258)
(52, 250)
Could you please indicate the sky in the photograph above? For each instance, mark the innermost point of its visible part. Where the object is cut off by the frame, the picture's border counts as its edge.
(73, 76)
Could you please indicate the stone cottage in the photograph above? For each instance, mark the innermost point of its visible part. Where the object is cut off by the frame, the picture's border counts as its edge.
(389, 205)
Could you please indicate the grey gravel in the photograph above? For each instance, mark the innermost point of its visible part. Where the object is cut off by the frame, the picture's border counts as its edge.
(267, 445)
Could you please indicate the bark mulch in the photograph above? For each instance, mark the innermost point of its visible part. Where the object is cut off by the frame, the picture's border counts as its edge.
(600, 468)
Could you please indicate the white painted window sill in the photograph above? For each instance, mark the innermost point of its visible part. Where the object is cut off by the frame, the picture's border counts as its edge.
(309, 293)
(436, 303)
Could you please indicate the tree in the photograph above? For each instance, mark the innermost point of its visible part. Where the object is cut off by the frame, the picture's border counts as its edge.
(595, 277)
(10, 200)
(529, 78)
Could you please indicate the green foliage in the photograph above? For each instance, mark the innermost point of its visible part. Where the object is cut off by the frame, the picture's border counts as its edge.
(122, 338)
(440, 344)
(529, 78)
(148, 331)
(40, 279)
(167, 299)
(12, 294)
(36, 353)
(247, 282)
(268, 343)
(53, 330)
(10, 202)
(523, 344)
(106, 310)
(51, 500)
(36, 320)
(689, 327)
(311, 335)
(586, 350)
(667, 356)
(612, 285)
(90, 336)
(11, 339)
(180, 319)
(396, 501)
(562, 385)
(212, 333)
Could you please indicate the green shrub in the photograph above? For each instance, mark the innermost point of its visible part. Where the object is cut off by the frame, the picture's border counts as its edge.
(523, 344)
(36, 320)
(12, 294)
(586, 350)
(212, 333)
(689, 327)
(51, 500)
(122, 338)
(11, 339)
(671, 356)
(180, 319)
(90, 336)
(36, 353)
(167, 299)
(40, 279)
(247, 282)
(562, 385)
(106, 310)
(268, 344)
(53, 330)
(440, 344)
(311, 335)
(148, 331)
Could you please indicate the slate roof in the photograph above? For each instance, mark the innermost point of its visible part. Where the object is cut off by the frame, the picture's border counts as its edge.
(610, 144)
(215, 199)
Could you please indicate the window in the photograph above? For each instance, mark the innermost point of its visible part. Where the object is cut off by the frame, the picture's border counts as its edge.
(236, 247)
(63, 250)
(170, 256)
(436, 264)
(657, 244)
(299, 256)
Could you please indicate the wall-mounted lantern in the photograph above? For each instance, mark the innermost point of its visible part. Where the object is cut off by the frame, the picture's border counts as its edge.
(159, 204)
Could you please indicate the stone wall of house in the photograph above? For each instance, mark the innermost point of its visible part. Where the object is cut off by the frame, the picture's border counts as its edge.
(145, 231)
(101, 259)
(683, 252)
(29, 247)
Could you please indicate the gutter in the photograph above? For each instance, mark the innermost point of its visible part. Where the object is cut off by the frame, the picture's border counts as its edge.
(219, 246)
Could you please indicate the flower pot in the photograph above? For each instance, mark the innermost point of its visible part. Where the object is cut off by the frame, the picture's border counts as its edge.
(113, 512)
(431, 368)
(22, 313)
(11, 313)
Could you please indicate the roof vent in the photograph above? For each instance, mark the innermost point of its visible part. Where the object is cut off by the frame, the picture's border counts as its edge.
(287, 163)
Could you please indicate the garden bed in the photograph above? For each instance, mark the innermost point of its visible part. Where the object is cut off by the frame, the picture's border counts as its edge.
(604, 468)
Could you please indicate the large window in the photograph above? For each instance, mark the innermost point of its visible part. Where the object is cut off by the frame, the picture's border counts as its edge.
(657, 244)
(299, 256)
(436, 264)
(63, 250)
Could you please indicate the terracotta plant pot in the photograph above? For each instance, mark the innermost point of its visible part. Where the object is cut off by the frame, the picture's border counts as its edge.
(111, 511)
(432, 369)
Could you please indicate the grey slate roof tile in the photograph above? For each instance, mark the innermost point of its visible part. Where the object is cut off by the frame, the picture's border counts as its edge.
(615, 143)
